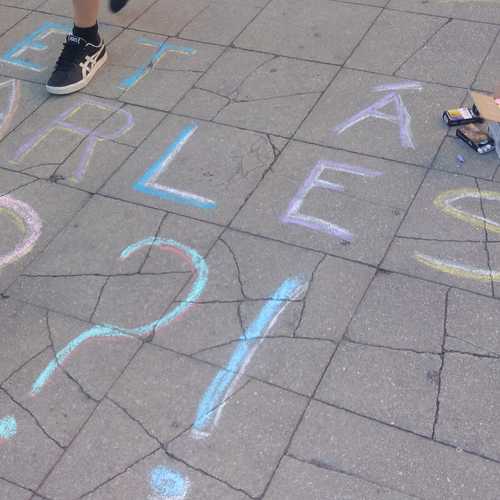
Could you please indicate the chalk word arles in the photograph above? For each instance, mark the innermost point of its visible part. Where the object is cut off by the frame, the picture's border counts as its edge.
(33, 41)
(163, 48)
(148, 183)
(7, 114)
(212, 402)
(293, 215)
(444, 202)
(167, 484)
(28, 222)
(401, 118)
(92, 137)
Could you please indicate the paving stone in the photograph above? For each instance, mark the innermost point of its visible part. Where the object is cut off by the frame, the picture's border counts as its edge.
(61, 408)
(353, 92)
(396, 387)
(17, 100)
(266, 93)
(145, 121)
(394, 458)
(392, 40)
(8, 490)
(450, 263)
(139, 482)
(486, 79)
(482, 166)
(296, 480)
(26, 4)
(200, 104)
(96, 363)
(197, 235)
(76, 295)
(439, 246)
(370, 208)
(10, 181)
(203, 326)
(26, 458)
(162, 390)
(24, 335)
(477, 11)
(44, 59)
(466, 309)
(109, 443)
(443, 60)
(295, 364)
(55, 207)
(469, 404)
(93, 242)
(402, 313)
(334, 295)
(216, 21)
(246, 462)
(318, 32)
(133, 301)
(123, 18)
(264, 265)
(215, 161)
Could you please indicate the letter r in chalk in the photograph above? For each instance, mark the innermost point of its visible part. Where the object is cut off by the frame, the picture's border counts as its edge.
(34, 41)
(293, 215)
(92, 137)
(148, 183)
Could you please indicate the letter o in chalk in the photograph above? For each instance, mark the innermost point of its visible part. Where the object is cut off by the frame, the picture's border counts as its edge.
(23, 215)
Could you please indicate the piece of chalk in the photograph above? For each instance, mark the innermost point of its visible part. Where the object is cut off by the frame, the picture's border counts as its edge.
(460, 159)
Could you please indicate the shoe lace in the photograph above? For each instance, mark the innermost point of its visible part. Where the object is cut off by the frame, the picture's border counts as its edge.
(71, 52)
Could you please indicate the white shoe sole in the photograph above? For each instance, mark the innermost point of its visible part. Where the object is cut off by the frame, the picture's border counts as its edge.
(75, 87)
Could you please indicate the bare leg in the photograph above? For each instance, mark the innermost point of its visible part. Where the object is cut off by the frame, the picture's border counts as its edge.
(85, 12)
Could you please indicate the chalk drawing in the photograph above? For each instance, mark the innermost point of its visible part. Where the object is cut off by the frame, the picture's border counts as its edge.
(28, 222)
(8, 114)
(457, 269)
(402, 118)
(197, 264)
(163, 48)
(33, 41)
(8, 428)
(92, 137)
(444, 202)
(148, 183)
(211, 404)
(293, 215)
(389, 87)
(167, 484)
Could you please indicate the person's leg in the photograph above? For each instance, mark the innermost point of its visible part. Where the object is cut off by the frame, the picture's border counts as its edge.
(85, 13)
(83, 53)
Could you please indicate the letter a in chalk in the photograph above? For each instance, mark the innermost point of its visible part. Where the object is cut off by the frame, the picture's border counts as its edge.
(401, 118)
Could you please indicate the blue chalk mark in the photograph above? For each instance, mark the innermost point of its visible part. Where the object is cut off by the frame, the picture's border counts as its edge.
(220, 385)
(147, 183)
(102, 331)
(8, 427)
(33, 41)
(168, 483)
(142, 71)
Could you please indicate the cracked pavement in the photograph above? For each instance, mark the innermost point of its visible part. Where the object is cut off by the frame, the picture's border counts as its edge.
(220, 280)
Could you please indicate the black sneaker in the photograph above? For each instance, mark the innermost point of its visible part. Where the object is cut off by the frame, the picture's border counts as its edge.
(76, 66)
(117, 5)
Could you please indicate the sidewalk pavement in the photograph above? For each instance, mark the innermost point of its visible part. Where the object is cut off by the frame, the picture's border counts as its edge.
(245, 262)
